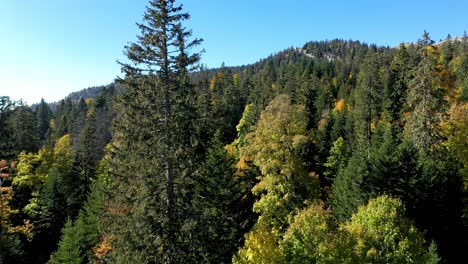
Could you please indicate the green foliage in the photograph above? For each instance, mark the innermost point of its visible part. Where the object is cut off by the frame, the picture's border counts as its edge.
(349, 121)
(396, 87)
(23, 122)
(313, 238)
(337, 159)
(367, 99)
(6, 141)
(426, 101)
(43, 117)
(68, 248)
(347, 190)
(284, 185)
(79, 239)
(84, 165)
(222, 214)
(378, 232)
(274, 147)
(382, 234)
(152, 153)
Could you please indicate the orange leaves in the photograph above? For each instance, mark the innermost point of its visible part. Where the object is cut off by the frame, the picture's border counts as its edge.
(5, 169)
(7, 213)
(103, 248)
(118, 210)
(339, 105)
(242, 164)
(218, 78)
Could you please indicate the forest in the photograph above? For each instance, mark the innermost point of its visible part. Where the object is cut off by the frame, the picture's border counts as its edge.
(335, 152)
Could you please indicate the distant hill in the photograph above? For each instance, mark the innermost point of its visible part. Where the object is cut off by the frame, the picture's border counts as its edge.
(90, 92)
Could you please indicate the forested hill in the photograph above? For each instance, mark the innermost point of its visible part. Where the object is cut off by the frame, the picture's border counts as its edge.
(91, 92)
(336, 152)
(347, 53)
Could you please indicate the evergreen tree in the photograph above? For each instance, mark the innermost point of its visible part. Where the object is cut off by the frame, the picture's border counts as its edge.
(68, 249)
(220, 219)
(53, 214)
(368, 97)
(25, 136)
(78, 121)
(85, 233)
(337, 159)
(347, 190)
(426, 101)
(84, 165)
(62, 123)
(6, 141)
(152, 157)
(43, 117)
(397, 86)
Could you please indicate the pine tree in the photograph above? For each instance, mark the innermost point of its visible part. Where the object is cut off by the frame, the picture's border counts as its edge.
(43, 117)
(79, 116)
(84, 165)
(425, 100)
(53, 214)
(397, 86)
(22, 123)
(80, 239)
(220, 219)
(368, 97)
(152, 157)
(347, 190)
(69, 249)
(62, 123)
(6, 142)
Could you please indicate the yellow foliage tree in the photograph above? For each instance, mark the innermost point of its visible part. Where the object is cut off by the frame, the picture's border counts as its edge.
(284, 185)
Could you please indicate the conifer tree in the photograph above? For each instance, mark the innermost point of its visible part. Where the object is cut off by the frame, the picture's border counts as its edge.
(22, 123)
(62, 123)
(85, 233)
(69, 249)
(426, 101)
(43, 117)
(152, 157)
(84, 165)
(347, 190)
(6, 144)
(78, 118)
(397, 86)
(367, 96)
(220, 219)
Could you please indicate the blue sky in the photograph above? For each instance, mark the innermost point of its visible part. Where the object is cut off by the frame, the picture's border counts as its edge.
(49, 48)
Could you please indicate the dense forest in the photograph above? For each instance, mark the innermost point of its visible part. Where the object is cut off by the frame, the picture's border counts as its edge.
(336, 152)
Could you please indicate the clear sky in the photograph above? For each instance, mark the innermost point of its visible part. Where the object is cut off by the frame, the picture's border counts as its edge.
(49, 48)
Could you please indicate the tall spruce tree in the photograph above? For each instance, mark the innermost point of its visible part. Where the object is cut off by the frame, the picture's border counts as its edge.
(220, 217)
(152, 156)
(43, 117)
(367, 96)
(22, 123)
(6, 142)
(425, 100)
